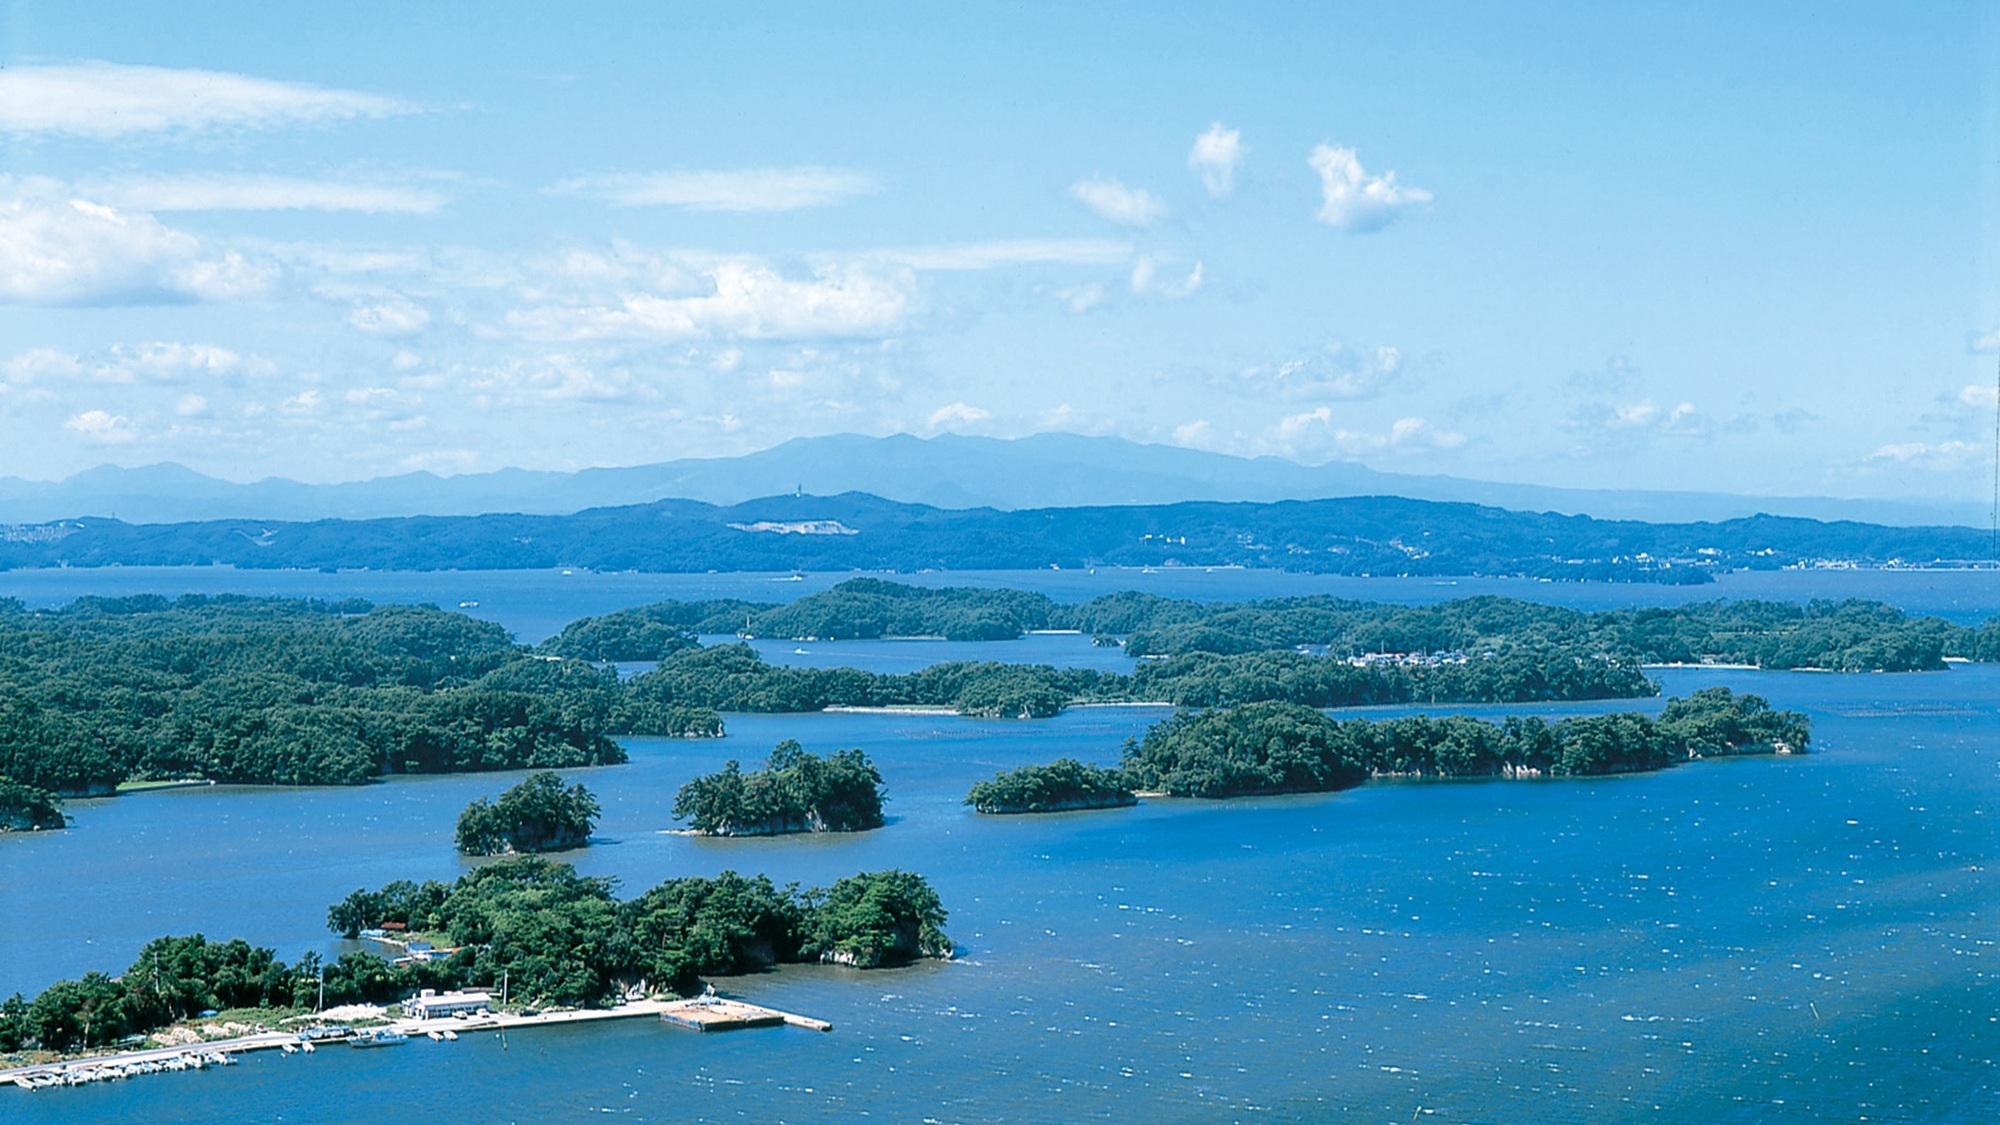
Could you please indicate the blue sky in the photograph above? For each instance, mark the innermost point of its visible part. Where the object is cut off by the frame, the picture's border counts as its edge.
(1680, 246)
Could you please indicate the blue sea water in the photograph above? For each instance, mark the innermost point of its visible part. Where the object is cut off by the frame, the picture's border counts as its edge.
(1775, 939)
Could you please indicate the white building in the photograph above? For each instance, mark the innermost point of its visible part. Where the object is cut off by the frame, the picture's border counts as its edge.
(431, 1004)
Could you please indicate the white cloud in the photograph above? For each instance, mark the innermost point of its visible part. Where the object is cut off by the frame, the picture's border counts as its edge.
(101, 427)
(191, 406)
(553, 379)
(58, 251)
(749, 189)
(1685, 421)
(1681, 420)
(1198, 434)
(1983, 342)
(1017, 252)
(389, 318)
(957, 414)
(1355, 201)
(1215, 157)
(106, 100)
(742, 299)
(1944, 456)
(1314, 430)
(157, 363)
(1979, 397)
(1642, 413)
(444, 462)
(1147, 283)
(1336, 371)
(229, 192)
(1109, 199)
(1081, 298)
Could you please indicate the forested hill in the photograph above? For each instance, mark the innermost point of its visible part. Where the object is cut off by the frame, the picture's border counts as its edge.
(1358, 535)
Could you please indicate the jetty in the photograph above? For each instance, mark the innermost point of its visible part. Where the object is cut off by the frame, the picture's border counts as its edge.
(709, 1012)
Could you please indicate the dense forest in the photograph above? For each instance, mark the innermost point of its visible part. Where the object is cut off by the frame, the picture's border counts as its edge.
(1061, 785)
(1285, 748)
(796, 791)
(262, 690)
(266, 690)
(559, 937)
(1365, 535)
(24, 808)
(538, 815)
(1849, 636)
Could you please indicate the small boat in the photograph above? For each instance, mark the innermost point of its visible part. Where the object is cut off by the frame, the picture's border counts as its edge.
(436, 1036)
(380, 1037)
(290, 1048)
(306, 1046)
(450, 1035)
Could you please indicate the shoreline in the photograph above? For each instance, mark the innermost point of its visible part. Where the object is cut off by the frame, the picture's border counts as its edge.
(84, 1069)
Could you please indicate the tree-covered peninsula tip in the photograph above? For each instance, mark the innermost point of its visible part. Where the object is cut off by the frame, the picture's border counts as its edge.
(557, 938)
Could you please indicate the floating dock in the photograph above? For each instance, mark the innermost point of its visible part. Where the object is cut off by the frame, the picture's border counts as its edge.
(714, 1013)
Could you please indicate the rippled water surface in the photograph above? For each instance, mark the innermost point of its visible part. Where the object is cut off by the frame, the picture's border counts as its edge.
(1775, 939)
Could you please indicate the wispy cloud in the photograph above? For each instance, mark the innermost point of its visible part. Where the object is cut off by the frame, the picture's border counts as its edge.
(231, 192)
(1215, 157)
(1354, 201)
(389, 318)
(1015, 252)
(1315, 432)
(1336, 371)
(1943, 456)
(1643, 415)
(1109, 199)
(106, 100)
(739, 299)
(1147, 282)
(159, 362)
(747, 189)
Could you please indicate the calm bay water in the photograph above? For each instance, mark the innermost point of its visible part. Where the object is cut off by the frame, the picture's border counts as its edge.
(1778, 939)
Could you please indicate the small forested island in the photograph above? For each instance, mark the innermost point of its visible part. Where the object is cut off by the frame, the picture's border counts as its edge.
(538, 815)
(1286, 748)
(796, 791)
(1059, 786)
(557, 937)
(24, 808)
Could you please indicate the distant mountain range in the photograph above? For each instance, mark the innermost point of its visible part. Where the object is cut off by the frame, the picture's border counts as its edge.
(1361, 536)
(950, 471)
